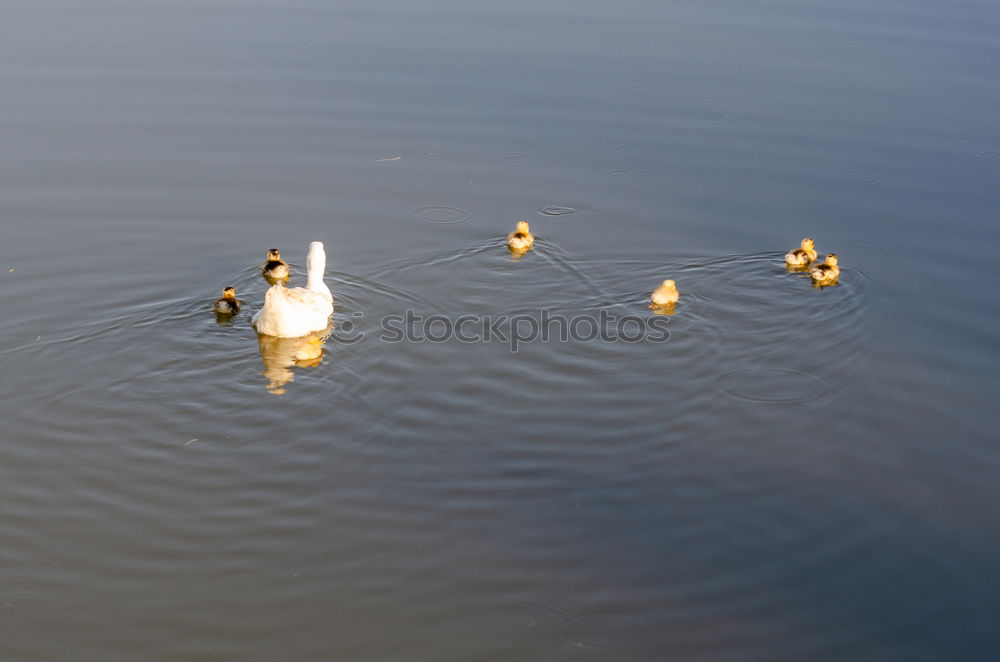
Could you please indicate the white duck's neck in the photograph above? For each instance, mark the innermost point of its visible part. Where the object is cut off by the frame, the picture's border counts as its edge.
(315, 265)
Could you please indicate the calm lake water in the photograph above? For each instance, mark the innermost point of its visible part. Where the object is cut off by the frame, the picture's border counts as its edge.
(793, 474)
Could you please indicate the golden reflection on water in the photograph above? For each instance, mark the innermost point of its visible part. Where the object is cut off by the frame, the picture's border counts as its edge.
(804, 272)
(516, 254)
(280, 355)
(664, 308)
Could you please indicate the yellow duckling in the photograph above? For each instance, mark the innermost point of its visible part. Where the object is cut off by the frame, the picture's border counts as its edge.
(521, 238)
(802, 256)
(227, 304)
(665, 295)
(275, 268)
(826, 273)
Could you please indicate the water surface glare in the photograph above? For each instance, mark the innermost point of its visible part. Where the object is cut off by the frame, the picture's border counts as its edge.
(785, 473)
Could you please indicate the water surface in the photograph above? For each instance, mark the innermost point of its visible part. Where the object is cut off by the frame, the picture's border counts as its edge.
(793, 474)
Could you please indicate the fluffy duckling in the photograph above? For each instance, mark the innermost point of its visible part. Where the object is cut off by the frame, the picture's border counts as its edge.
(826, 273)
(275, 268)
(802, 256)
(666, 294)
(227, 304)
(521, 238)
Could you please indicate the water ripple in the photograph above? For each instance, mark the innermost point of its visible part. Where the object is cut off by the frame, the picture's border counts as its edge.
(555, 210)
(517, 158)
(605, 631)
(443, 215)
(773, 385)
(439, 153)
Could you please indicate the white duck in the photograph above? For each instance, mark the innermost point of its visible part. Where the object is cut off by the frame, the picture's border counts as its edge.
(290, 313)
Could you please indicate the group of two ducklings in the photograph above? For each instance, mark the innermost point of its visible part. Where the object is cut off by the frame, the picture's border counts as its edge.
(804, 257)
(274, 270)
(521, 241)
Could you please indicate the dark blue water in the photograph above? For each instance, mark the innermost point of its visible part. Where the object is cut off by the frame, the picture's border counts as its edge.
(794, 473)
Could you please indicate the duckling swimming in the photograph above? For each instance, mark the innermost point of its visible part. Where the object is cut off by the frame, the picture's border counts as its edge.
(227, 304)
(665, 295)
(275, 268)
(802, 256)
(826, 273)
(521, 238)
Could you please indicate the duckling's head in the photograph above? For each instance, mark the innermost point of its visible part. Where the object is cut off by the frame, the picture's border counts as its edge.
(670, 284)
(273, 254)
(808, 244)
(229, 293)
(831, 258)
(522, 227)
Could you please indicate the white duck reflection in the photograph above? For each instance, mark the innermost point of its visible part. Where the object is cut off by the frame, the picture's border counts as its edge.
(280, 355)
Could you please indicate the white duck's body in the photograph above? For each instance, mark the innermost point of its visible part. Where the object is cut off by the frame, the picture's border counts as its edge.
(294, 312)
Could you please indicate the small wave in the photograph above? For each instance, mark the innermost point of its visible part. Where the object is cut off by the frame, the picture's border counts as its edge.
(442, 215)
(517, 158)
(773, 385)
(556, 210)
(439, 153)
(606, 631)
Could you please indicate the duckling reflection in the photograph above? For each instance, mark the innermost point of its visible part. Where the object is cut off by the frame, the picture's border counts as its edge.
(280, 355)
(517, 255)
(275, 269)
